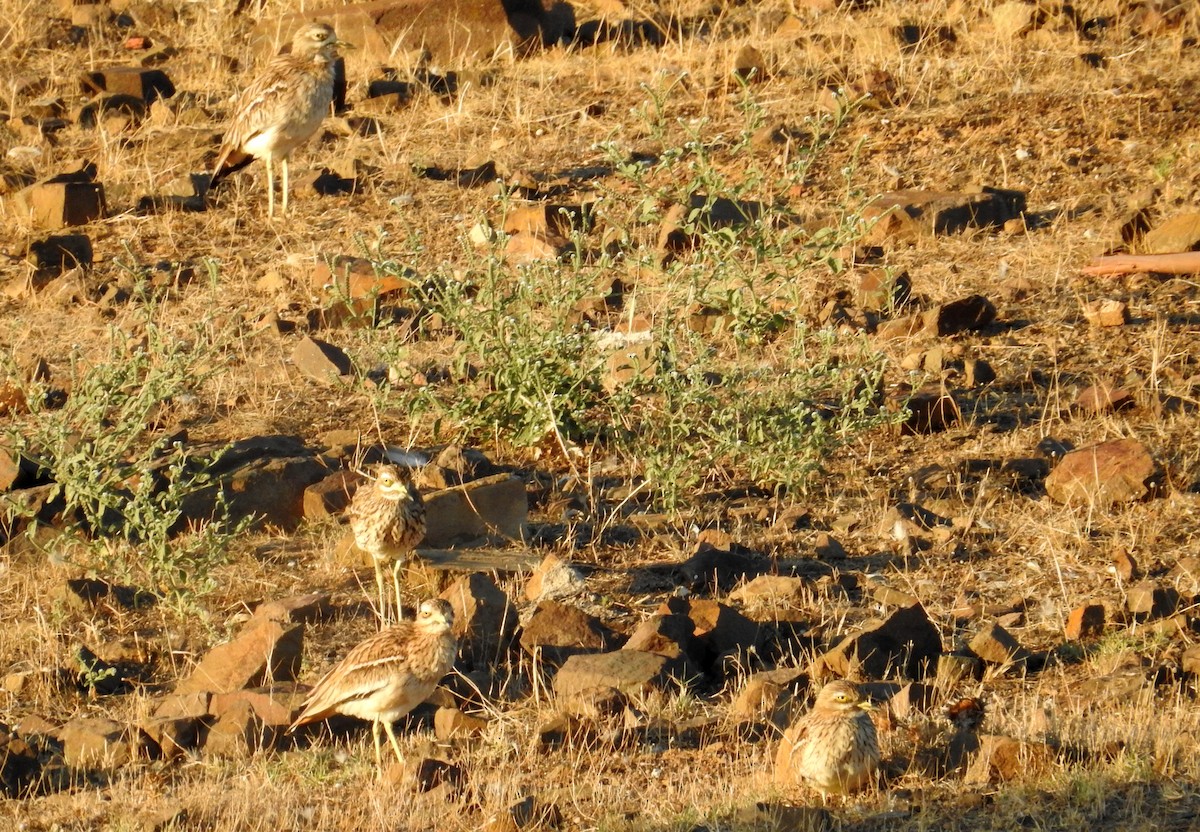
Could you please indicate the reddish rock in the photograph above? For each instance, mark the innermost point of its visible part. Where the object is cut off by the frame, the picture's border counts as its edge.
(1102, 398)
(309, 609)
(1190, 661)
(262, 477)
(19, 765)
(484, 619)
(907, 643)
(448, 31)
(963, 315)
(1085, 622)
(557, 631)
(952, 669)
(1002, 758)
(1151, 600)
(342, 277)
(720, 629)
(525, 816)
(63, 200)
(59, 253)
(322, 362)
(238, 733)
(449, 723)
(274, 706)
(263, 652)
(909, 214)
(996, 646)
(192, 705)
(547, 219)
(749, 64)
(553, 577)
(904, 327)
(773, 592)
(1106, 313)
(911, 700)
(1116, 471)
(881, 291)
(330, 496)
(174, 735)
(1179, 233)
(930, 409)
(767, 695)
(427, 774)
(671, 636)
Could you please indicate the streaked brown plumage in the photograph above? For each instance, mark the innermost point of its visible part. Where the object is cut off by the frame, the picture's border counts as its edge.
(387, 517)
(282, 107)
(387, 675)
(834, 747)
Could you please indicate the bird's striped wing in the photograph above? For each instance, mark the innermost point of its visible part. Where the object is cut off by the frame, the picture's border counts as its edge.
(368, 668)
(256, 110)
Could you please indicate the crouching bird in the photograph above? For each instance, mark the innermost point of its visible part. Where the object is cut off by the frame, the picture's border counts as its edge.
(387, 675)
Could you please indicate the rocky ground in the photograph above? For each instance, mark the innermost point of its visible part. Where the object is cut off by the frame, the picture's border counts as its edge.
(736, 348)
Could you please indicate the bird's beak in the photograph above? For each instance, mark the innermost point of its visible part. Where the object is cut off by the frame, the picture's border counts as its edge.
(867, 705)
(344, 44)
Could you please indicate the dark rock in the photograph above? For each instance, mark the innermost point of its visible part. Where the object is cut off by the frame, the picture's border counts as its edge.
(147, 85)
(495, 506)
(557, 631)
(964, 315)
(906, 643)
(102, 743)
(484, 619)
(594, 677)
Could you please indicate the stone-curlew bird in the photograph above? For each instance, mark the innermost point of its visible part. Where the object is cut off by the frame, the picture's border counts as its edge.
(387, 517)
(281, 108)
(834, 747)
(387, 675)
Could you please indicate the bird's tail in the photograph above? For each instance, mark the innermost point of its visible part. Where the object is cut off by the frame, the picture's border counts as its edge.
(230, 160)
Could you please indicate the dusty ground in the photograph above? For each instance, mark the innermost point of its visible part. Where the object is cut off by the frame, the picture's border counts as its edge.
(1086, 115)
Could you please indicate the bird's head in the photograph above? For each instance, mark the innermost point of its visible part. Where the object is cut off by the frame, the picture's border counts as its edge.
(393, 482)
(842, 697)
(435, 616)
(317, 39)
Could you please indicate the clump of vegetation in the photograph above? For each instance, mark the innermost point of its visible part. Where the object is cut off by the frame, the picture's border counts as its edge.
(118, 479)
(766, 400)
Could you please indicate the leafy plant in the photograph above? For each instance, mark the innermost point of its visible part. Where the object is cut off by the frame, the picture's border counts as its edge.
(121, 484)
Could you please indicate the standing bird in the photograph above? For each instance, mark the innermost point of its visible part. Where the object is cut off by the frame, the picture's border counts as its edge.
(387, 675)
(833, 747)
(281, 108)
(387, 517)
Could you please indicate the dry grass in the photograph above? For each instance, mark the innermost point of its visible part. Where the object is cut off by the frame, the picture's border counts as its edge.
(1026, 114)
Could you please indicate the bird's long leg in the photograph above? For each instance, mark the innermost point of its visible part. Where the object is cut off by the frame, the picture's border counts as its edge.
(396, 567)
(284, 163)
(270, 187)
(378, 746)
(391, 732)
(383, 602)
